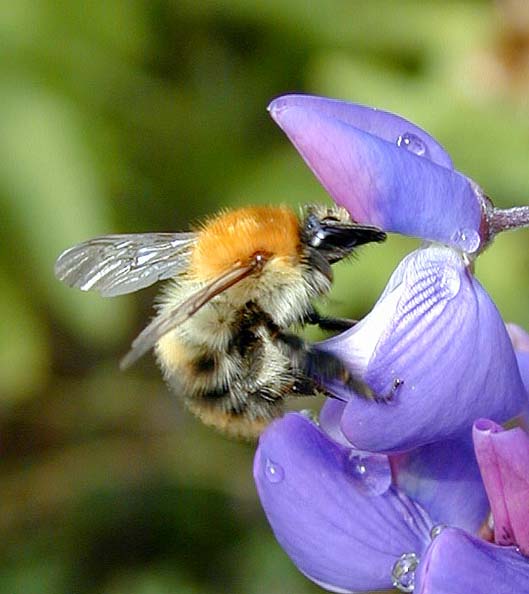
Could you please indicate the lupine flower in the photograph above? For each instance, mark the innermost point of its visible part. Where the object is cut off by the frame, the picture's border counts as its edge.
(349, 528)
(434, 346)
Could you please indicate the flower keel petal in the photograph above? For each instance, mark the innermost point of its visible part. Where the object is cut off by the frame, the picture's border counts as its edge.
(336, 532)
(503, 458)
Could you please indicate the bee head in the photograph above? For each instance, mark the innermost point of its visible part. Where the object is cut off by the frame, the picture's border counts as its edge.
(334, 235)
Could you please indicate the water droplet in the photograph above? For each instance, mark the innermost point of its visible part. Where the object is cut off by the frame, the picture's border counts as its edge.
(436, 530)
(403, 573)
(371, 473)
(274, 473)
(411, 142)
(467, 240)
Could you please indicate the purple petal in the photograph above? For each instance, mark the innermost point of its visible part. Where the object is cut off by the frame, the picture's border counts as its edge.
(336, 530)
(385, 125)
(459, 563)
(436, 343)
(330, 420)
(379, 182)
(444, 479)
(503, 458)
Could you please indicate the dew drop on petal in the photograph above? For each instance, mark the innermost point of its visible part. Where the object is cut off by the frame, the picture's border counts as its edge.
(274, 473)
(403, 572)
(436, 530)
(467, 240)
(370, 473)
(411, 142)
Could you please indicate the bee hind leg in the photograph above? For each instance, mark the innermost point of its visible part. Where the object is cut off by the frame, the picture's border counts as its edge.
(314, 318)
(320, 367)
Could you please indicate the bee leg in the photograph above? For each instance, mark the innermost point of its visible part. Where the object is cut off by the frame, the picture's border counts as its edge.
(305, 386)
(320, 365)
(328, 323)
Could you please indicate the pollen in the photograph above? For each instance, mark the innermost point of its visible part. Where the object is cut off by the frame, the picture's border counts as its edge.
(235, 236)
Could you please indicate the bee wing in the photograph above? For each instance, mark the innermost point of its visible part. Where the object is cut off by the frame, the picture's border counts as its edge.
(119, 264)
(169, 320)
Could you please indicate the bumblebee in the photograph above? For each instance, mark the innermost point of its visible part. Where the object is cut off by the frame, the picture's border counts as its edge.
(238, 284)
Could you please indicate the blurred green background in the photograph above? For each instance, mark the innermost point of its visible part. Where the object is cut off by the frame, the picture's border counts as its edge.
(137, 115)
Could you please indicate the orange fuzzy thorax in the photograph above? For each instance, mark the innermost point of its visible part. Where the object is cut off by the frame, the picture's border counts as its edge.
(235, 236)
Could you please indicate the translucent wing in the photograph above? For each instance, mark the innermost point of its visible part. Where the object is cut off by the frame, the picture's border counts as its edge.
(119, 264)
(169, 320)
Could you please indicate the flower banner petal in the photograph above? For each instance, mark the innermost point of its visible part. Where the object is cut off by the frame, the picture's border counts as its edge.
(337, 531)
(503, 458)
(436, 344)
(459, 563)
(379, 182)
(444, 479)
(387, 126)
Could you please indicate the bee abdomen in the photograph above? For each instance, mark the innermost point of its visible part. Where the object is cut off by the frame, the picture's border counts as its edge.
(232, 424)
(244, 416)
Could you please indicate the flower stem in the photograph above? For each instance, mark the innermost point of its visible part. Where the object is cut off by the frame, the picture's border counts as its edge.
(510, 218)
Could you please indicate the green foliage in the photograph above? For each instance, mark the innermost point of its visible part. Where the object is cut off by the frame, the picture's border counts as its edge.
(128, 115)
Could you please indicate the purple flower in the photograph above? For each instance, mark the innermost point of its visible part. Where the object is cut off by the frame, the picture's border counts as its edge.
(350, 529)
(434, 344)
(392, 494)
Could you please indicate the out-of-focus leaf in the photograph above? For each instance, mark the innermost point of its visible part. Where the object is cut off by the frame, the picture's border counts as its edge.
(265, 567)
(154, 580)
(40, 23)
(24, 348)
(504, 271)
(35, 568)
(370, 25)
(54, 198)
(280, 177)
